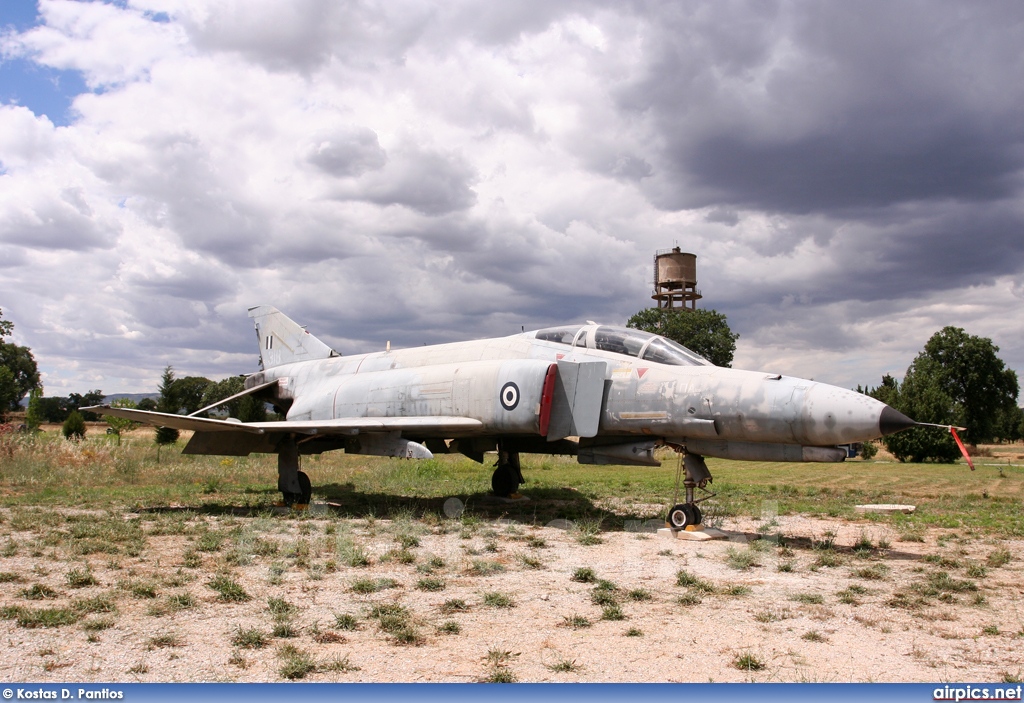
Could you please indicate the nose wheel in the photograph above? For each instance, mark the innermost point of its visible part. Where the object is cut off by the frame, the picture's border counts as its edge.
(693, 473)
(683, 515)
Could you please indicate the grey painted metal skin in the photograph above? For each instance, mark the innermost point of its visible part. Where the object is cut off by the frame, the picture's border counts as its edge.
(487, 394)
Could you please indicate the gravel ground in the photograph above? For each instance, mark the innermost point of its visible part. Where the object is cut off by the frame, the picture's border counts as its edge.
(744, 609)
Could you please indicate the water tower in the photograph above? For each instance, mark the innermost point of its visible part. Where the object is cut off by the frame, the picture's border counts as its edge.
(675, 279)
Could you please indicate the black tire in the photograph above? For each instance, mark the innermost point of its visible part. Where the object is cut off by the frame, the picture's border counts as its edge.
(698, 518)
(504, 482)
(680, 516)
(307, 488)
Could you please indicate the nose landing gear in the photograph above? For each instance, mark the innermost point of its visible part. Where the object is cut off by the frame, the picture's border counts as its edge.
(683, 515)
(688, 514)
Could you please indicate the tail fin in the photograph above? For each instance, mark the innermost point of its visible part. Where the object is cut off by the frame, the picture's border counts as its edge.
(282, 341)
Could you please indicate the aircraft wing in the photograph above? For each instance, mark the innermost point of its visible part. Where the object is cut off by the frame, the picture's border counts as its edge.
(355, 425)
(343, 425)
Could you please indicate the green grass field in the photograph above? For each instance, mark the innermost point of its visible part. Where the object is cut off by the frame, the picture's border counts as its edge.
(45, 470)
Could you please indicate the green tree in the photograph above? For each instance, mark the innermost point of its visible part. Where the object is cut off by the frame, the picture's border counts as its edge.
(77, 401)
(188, 393)
(74, 426)
(1010, 424)
(168, 403)
(121, 425)
(888, 392)
(246, 409)
(8, 392)
(963, 371)
(868, 450)
(957, 379)
(34, 415)
(147, 404)
(53, 409)
(703, 331)
(219, 390)
(251, 409)
(22, 373)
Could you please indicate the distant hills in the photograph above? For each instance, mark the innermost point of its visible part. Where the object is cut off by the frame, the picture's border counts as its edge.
(108, 399)
(135, 397)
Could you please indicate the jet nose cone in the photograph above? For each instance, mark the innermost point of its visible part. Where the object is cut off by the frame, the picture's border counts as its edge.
(891, 421)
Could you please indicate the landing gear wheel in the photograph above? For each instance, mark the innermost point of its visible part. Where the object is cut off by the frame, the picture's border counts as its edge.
(307, 488)
(679, 516)
(504, 482)
(682, 515)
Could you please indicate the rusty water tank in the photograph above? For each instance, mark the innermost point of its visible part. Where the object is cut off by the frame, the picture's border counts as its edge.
(675, 279)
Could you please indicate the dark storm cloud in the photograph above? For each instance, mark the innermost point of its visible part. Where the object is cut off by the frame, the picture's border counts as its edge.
(426, 180)
(455, 234)
(723, 216)
(966, 246)
(191, 280)
(849, 170)
(827, 108)
(918, 251)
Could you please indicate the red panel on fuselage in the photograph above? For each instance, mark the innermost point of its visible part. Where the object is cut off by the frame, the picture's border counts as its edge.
(547, 394)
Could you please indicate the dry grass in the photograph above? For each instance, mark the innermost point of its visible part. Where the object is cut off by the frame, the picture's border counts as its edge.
(126, 560)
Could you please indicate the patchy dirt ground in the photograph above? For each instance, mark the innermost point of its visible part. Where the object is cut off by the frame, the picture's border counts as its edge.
(498, 601)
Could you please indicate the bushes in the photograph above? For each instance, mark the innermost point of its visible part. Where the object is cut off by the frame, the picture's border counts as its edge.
(74, 427)
(868, 450)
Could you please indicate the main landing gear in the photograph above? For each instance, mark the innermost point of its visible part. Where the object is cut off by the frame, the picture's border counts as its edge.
(507, 477)
(697, 475)
(683, 515)
(294, 484)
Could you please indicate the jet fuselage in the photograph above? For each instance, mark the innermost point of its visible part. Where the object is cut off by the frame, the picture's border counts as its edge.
(501, 382)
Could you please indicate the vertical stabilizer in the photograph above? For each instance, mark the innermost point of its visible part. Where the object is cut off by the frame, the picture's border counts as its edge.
(282, 341)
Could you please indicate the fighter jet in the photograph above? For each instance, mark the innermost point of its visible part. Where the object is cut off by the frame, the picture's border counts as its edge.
(605, 394)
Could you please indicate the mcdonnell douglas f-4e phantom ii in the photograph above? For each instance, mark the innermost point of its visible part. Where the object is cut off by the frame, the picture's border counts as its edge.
(608, 395)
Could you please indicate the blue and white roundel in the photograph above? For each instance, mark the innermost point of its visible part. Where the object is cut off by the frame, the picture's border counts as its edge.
(509, 396)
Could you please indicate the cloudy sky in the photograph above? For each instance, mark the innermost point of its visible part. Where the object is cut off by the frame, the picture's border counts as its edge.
(850, 175)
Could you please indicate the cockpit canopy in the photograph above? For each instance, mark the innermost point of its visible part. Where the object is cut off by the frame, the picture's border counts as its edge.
(624, 340)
